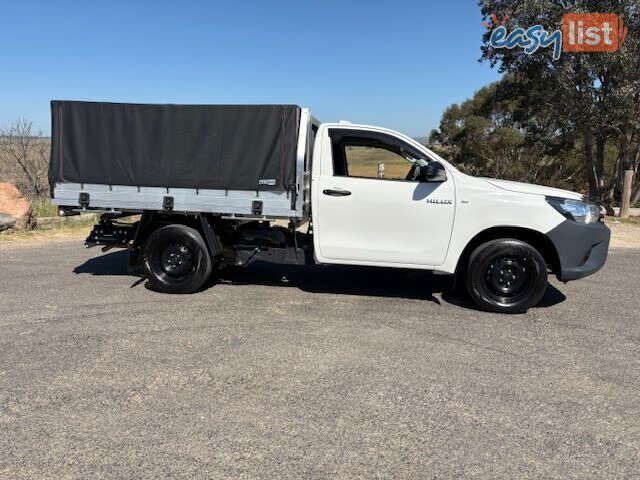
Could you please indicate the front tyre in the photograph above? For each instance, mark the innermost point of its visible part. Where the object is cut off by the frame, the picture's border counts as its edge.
(506, 276)
(176, 260)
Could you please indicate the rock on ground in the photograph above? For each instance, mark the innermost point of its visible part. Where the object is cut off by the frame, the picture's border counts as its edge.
(14, 204)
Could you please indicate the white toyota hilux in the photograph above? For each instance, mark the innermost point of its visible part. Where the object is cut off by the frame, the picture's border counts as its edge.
(211, 183)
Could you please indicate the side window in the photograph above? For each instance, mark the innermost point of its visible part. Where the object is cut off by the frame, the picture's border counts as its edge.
(372, 155)
(376, 162)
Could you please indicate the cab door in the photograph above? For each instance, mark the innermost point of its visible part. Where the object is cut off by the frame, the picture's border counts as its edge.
(370, 206)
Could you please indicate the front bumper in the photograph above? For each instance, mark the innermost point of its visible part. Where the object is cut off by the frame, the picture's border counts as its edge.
(582, 249)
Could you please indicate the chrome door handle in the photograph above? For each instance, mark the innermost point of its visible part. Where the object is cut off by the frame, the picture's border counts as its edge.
(336, 192)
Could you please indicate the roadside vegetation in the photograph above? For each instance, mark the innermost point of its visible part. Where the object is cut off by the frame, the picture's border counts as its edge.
(52, 228)
(572, 123)
(24, 159)
(624, 221)
(44, 208)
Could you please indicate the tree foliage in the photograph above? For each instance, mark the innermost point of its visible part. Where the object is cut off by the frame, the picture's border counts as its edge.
(582, 110)
(495, 134)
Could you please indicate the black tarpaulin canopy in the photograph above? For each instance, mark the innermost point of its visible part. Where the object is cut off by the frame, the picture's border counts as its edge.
(234, 147)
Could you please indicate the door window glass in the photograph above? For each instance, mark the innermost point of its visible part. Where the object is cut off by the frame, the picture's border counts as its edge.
(365, 154)
(376, 162)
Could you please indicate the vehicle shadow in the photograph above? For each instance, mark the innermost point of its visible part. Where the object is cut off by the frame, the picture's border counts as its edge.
(351, 280)
(552, 297)
(332, 279)
(340, 280)
(113, 263)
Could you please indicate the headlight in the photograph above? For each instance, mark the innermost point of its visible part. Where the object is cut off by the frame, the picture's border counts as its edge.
(577, 210)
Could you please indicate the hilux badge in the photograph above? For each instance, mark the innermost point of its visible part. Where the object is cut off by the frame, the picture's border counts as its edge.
(439, 202)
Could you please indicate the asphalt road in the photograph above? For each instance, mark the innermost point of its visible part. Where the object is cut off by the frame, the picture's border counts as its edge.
(310, 373)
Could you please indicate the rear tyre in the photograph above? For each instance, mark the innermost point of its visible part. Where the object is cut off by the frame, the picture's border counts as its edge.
(506, 276)
(176, 260)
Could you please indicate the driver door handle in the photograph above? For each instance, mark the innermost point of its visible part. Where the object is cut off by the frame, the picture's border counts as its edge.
(336, 192)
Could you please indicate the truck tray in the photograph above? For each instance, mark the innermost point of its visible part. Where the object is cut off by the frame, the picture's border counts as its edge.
(225, 159)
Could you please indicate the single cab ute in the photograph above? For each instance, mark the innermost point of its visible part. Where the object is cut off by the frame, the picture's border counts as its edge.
(213, 184)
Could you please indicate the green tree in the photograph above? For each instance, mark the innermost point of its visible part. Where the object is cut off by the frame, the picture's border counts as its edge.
(592, 96)
(497, 133)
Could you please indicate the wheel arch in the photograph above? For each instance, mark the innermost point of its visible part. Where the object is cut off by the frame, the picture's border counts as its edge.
(152, 221)
(536, 239)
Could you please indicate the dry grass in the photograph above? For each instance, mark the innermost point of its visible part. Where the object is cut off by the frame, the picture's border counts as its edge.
(52, 229)
(363, 162)
(626, 221)
(44, 208)
(625, 233)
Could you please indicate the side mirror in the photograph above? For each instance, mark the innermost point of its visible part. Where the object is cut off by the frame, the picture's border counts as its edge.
(433, 172)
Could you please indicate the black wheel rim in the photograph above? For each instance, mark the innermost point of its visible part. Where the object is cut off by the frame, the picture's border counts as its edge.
(176, 260)
(509, 278)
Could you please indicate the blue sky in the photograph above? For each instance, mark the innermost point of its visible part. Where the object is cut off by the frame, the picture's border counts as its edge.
(397, 64)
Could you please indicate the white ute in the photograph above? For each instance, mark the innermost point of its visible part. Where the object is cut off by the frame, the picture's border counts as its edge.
(499, 239)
